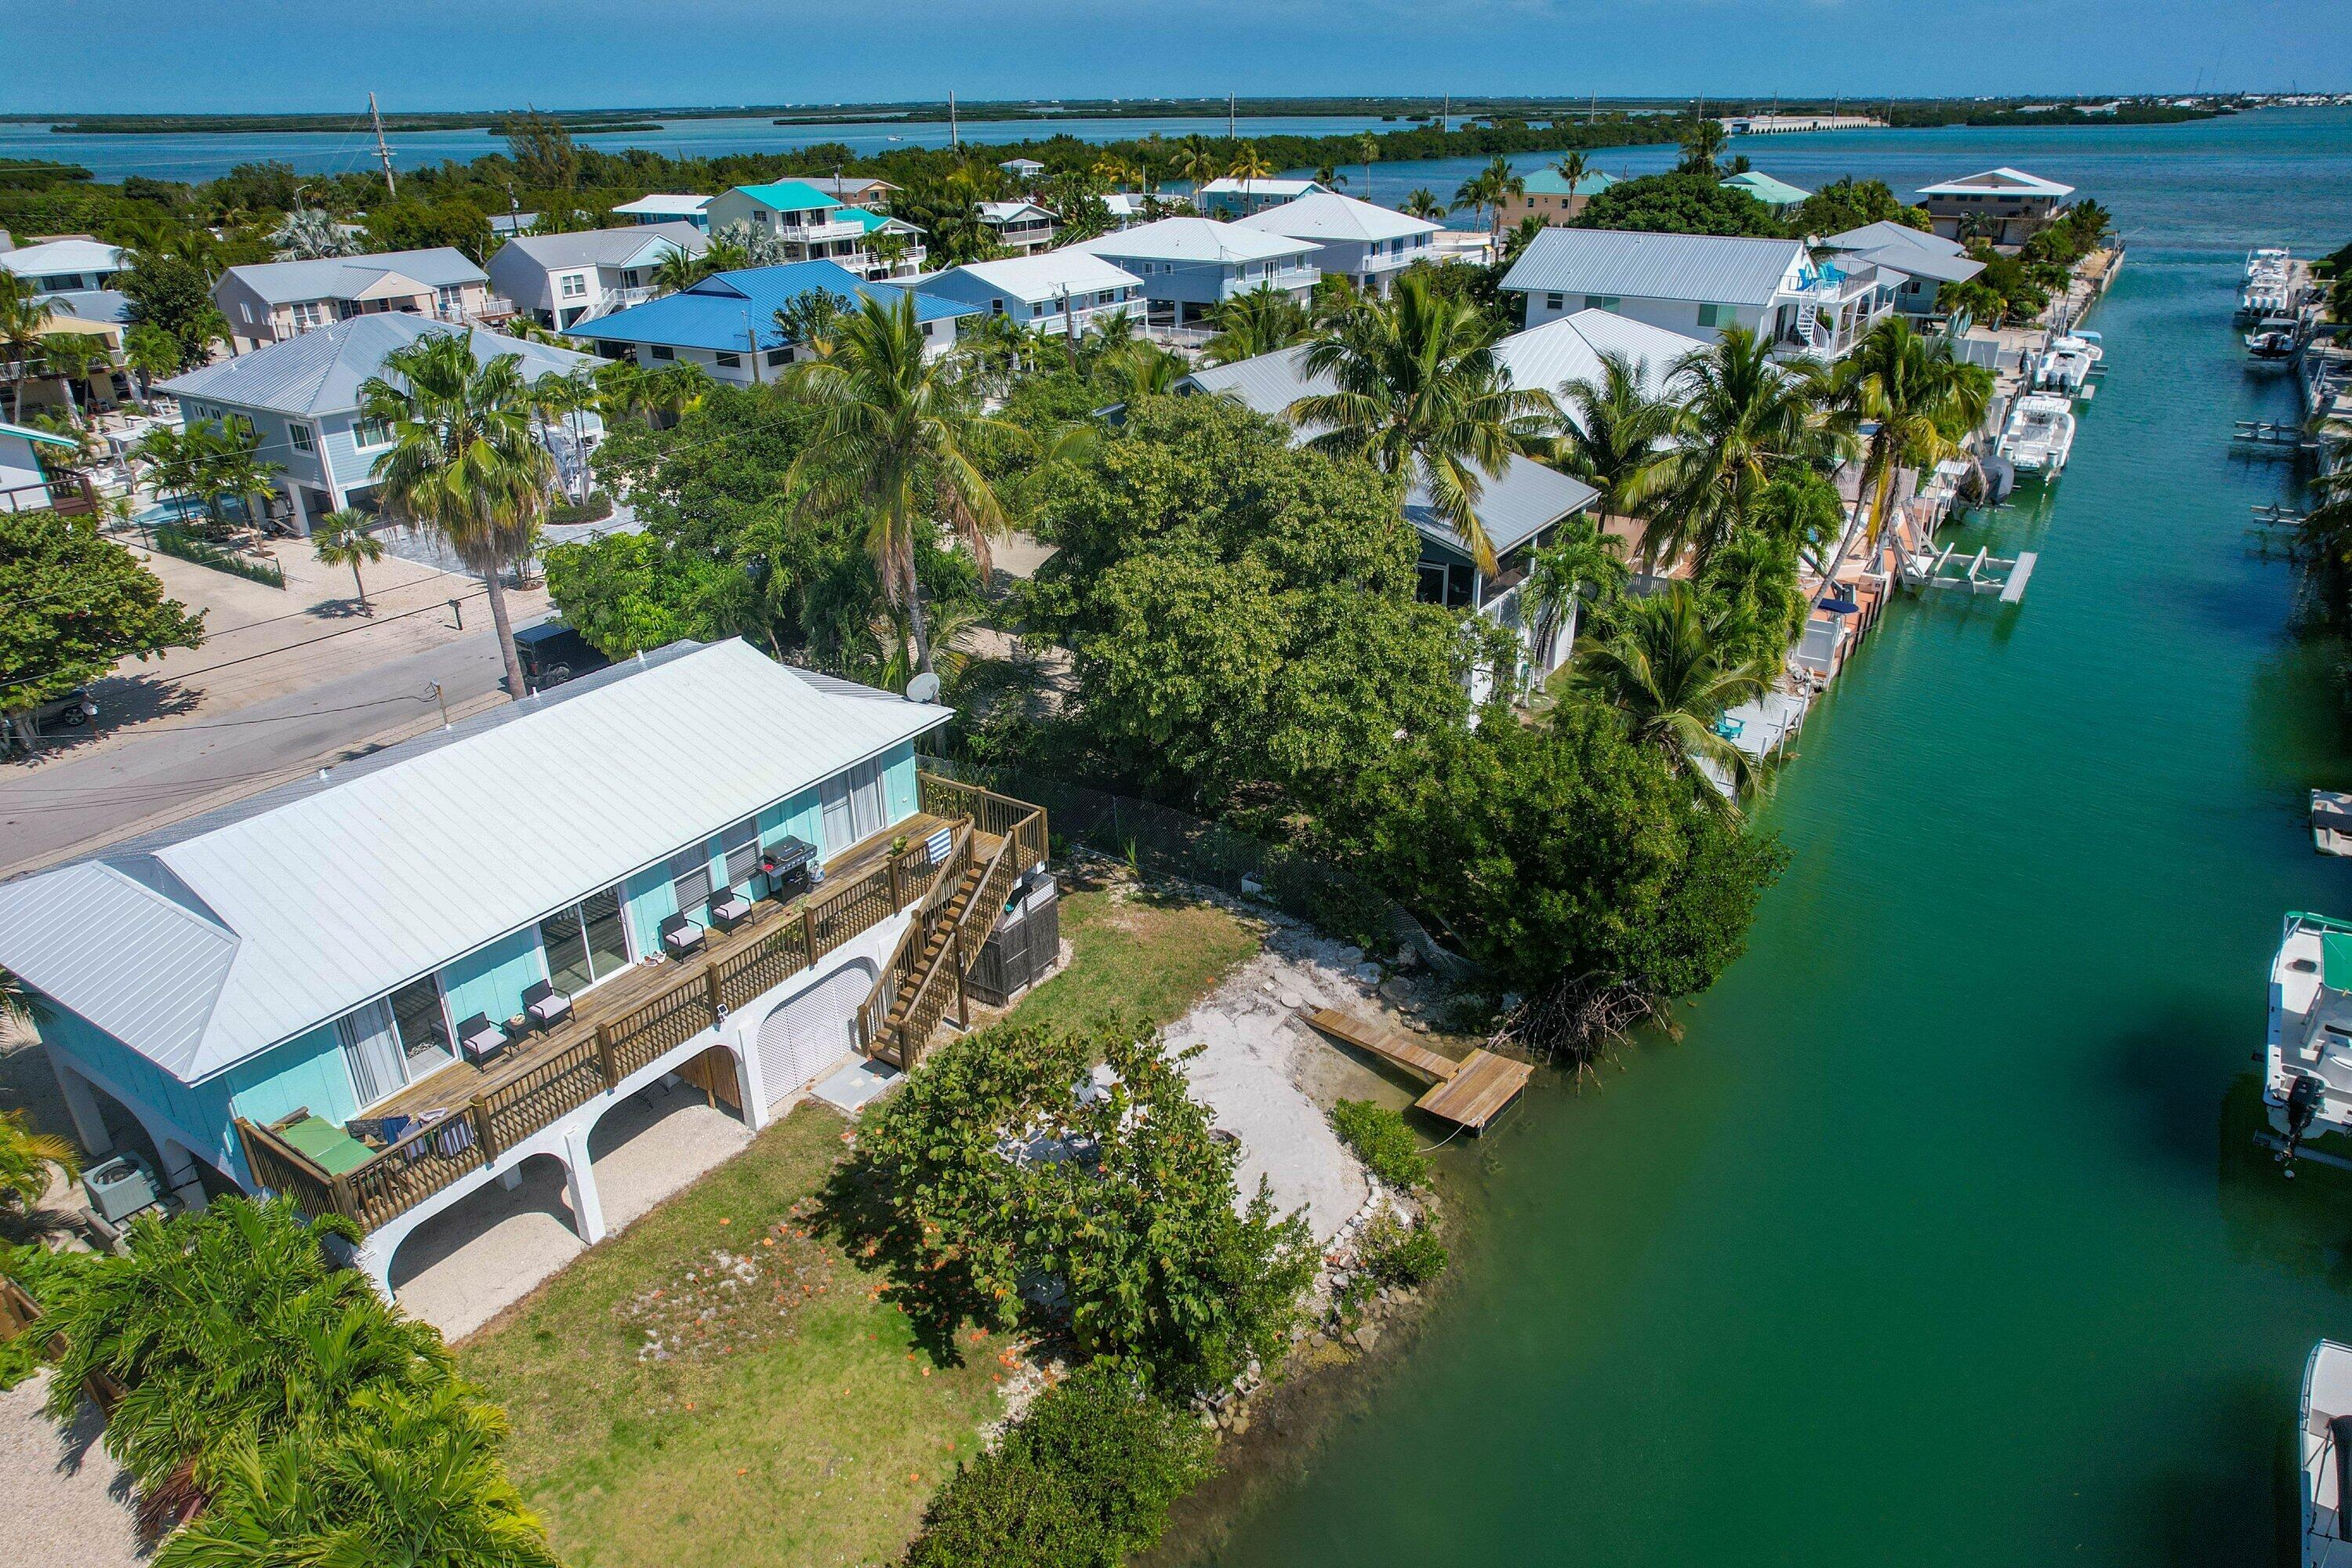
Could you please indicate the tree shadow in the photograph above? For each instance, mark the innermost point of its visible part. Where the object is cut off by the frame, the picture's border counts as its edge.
(936, 1294)
(124, 702)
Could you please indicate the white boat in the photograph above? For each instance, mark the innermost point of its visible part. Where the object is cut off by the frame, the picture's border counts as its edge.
(2066, 364)
(2040, 434)
(2273, 341)
(2266, 258)
(2326, 1428)
(2307, 1059)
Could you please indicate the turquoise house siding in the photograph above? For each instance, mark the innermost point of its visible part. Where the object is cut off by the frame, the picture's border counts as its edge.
(306, 1072)
(898, 793)
(198, 1117)
(491, 980)
(649, 899)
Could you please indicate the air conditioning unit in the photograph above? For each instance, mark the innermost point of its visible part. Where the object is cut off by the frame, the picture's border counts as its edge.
(120, 1187)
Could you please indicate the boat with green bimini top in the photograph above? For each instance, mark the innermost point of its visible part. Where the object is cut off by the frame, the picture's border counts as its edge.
(2308, 1063)
(2327, 1482)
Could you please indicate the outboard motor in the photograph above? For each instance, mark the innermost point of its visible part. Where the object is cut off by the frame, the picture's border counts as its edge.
(2302, 1110)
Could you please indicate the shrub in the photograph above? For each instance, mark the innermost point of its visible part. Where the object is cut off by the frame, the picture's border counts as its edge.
(203, 553)
(1381, 1140)
(1083, 1480)
(1394, 1254)
(595, 509)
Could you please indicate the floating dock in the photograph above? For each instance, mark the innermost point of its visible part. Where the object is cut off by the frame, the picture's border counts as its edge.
(1472, 1092)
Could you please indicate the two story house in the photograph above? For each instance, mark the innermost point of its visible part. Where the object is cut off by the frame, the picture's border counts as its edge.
(1922, 262)
(1190, 266)
(381, 988)
(1549, 196)
(271, 301)
(302, 399)
(1365, 244)
(806, 222)
(1704, 284)
(666, 207)
(1051, 291)
(727, 322)
(2004, 205)
(1232, 198)
(1018, 227)
(562, 280)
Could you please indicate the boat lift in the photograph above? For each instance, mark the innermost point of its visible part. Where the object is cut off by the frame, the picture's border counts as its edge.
(2275, 528)
(2268, 439)
(1984, 573)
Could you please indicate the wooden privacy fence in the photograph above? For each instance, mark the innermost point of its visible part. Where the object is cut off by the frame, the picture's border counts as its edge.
(509, 1110)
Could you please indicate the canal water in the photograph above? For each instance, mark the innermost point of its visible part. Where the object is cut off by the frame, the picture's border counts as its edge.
(1936, 1239)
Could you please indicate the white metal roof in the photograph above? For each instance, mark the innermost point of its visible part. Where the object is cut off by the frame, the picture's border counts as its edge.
(609, 246)
(1546, 358)
(1005, 212)
(206, 943)
(667, 204)
(2003, 180)
(1622, 264)
(350, 276)
(1195, 240)
(321, 371)
(61, 255)
(1328, 215)
(1871, 236)
(1042, 277)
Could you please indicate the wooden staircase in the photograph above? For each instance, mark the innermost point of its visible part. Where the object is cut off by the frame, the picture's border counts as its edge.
(925, 973)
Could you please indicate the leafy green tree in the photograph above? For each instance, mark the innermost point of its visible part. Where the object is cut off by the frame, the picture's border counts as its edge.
(1555, 849)
(173, 292)
(808, 321)
(25, 319)
(1421, 395)
(345, 538)
(628, 592)
(411, 224)
(1260, 320)
(464, 460)
(78, 606)
(1847, 203)
(1240, 611)
(1666, 673)
(893, 439)
(1153, 1263)
(230, 1328)
(28, 1162)
(1679, 203)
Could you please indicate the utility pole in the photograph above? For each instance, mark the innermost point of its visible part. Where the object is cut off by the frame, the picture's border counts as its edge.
(1445, 113)
(1069, 330)
(1229, 115)
(382, 152)
(1592, 110)
(955, 137)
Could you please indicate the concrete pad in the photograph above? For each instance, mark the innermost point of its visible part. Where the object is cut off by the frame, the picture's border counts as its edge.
(67, 1503)
(857, 1085)
(461, 1268)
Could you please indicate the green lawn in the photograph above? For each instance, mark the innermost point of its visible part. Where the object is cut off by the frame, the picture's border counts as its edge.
(1135, 950)
(793, 1422)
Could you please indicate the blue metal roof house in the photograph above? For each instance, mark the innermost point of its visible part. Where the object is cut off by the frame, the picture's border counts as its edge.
(383, 986)
(727, 322)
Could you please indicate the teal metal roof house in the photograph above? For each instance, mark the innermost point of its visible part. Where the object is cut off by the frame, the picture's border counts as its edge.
(1772, 193)
(379, 987)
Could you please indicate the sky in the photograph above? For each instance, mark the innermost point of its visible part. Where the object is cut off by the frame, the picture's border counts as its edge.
(220, 56)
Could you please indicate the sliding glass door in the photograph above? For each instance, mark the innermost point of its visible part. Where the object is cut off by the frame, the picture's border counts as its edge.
(585, 943)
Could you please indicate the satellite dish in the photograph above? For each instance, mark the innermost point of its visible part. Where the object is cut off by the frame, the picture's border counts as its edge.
(924, 688)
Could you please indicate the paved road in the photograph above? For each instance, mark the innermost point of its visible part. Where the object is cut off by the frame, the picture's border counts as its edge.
(49, 807)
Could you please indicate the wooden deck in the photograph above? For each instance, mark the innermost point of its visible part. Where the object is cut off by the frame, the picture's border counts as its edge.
(1471, 1092)
(457, 1085)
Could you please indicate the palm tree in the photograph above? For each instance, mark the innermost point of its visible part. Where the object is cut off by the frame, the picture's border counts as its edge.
(1249, 165)
(232, 465)
(463, 460)
(1197, 161)
(1919, 402)
(892, 437)
(1420, 394)
(229, 1327)
(151, 353)
(1261, 321)
(1662, 672)
(561, 397)
(1580, 563)
(1759, 607)
(1572, 170)
(1742, 414)
(16, 1002)
(24, 319)
(1329, 177)
(1136, 369)
(1504, 184)
(28, 1161)
(171, 456)
(1474, 194)
(67, 358)
(679, 271)
(1702, 145)
(1523, 234)
(1368, 148)
(307, 234)
(1612, 433)
(343, 538)
(409, 1478)
(1424, 205)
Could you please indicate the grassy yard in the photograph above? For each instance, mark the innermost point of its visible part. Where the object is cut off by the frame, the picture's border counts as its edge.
(783, 1416)
(1137, 950)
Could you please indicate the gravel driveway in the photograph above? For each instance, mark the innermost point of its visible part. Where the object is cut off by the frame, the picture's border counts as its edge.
(66, 1503)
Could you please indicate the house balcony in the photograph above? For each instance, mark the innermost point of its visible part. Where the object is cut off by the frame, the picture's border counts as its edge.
(1286, 278)
(656, 1016)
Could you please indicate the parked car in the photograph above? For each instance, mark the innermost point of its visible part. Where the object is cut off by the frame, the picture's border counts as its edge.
(71, 712)
(552, 653)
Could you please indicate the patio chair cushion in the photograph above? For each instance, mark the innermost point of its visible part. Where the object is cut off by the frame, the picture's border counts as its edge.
(327, 1146)
(734, 907)
(545, 1003)
(680, 935)
(480, 1037)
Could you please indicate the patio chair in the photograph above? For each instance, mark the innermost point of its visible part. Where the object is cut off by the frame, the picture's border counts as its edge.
(545, 1004)
(729, 911)
(481, 1039)
(680, 936)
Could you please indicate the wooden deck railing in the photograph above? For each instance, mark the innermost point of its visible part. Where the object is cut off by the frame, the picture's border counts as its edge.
(509, 1110)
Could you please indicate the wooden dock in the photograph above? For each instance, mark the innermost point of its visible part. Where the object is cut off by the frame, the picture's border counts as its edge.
(1472, 1092)
(2331, 822)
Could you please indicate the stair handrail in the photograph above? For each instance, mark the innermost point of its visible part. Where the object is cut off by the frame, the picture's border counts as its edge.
(954, 945)
(873, 1013)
